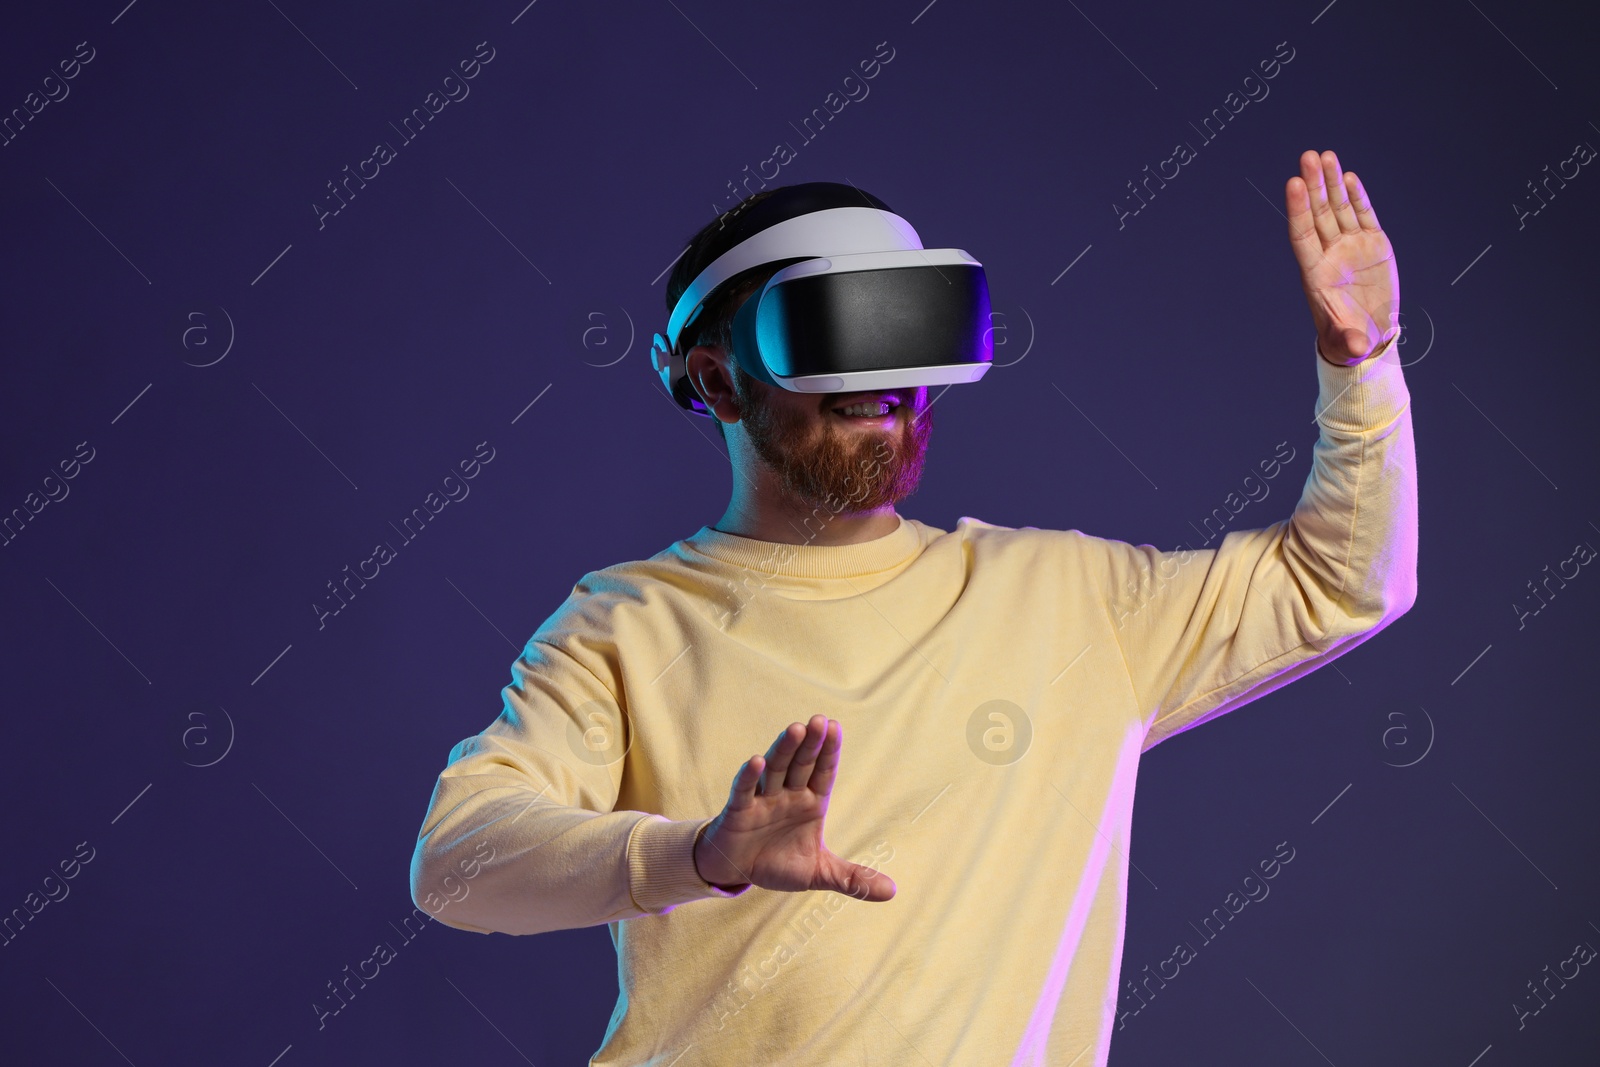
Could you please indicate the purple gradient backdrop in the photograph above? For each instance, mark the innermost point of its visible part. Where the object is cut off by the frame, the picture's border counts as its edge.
(510, 252)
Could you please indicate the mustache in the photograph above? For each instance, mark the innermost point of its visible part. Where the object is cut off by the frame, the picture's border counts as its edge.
(834, 467)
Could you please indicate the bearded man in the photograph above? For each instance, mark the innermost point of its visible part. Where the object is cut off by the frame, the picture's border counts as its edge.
(999, 686)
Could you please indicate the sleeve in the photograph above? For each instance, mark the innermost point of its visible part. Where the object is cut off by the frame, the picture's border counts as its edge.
(1205, 631)
(520, 836)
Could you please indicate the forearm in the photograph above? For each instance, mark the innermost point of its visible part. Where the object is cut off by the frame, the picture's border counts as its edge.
(495, 855)
(1351, 544)
(1269, 605)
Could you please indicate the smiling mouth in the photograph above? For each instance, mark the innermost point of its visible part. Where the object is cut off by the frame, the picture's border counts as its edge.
(870, 410)
(867, 410)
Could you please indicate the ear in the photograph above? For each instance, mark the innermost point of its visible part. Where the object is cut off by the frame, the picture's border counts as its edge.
(707, 369)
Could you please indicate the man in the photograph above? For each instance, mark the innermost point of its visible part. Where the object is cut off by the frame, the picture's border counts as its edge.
(998, 687)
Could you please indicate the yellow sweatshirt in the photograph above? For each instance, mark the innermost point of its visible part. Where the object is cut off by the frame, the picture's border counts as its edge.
(996, 687)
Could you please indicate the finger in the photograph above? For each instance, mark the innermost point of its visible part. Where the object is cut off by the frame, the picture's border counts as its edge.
(778, 757)
(1303, 240)
(806, 757)
(827, 769)
(1333, 178)
(743, 792)
(853, 879)
(1365, 216)
(1321, 212)
(1358, 343)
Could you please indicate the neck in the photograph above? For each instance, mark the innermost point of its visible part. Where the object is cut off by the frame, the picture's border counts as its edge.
(763, 509)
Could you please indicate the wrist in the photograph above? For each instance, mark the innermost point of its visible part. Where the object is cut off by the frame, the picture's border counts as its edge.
(1377, 352)
(660, 873)
(734, 887)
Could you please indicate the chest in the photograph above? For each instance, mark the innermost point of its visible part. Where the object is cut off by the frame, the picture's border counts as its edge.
(967, 697)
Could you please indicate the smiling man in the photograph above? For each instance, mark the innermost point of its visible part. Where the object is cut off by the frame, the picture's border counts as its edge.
(966, 904)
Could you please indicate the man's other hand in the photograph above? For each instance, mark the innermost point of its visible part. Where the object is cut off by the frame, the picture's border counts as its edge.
(770, 832)
(1346, 261)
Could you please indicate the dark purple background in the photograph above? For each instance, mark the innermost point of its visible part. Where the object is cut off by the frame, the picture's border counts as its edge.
(142, 611)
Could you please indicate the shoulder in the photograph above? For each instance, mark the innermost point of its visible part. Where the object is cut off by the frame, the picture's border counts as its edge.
(1081, 557)
(620, 586)
(631, 604)
(645, 591)
(991, 537)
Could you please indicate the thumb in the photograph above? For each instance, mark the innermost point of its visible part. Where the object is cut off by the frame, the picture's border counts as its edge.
(852, 879)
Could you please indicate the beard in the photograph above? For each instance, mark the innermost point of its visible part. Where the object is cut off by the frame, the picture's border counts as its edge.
(827, 466)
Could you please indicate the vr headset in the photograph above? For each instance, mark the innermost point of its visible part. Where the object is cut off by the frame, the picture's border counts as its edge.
(863, 306)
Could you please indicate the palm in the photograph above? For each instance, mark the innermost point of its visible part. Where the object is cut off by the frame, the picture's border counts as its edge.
(782, 835)
(1347, 265)
(770, 832)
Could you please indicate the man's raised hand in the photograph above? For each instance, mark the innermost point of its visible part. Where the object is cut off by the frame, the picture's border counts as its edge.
(770, 832)
(1346, 262)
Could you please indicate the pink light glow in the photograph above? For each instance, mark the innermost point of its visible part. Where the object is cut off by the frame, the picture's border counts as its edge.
(1119, 801)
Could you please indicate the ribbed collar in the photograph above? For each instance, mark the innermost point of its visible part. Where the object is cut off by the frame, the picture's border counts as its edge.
(810, 561)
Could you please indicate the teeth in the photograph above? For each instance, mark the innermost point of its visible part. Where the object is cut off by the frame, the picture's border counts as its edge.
(867, 407)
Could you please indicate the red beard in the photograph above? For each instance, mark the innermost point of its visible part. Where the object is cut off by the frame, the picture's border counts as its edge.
(828, 466)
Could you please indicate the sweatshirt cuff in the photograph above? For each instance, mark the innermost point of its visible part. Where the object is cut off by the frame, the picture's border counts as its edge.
(661, 870)
(1367, 396)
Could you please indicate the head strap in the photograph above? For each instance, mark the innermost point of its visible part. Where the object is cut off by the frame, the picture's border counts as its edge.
(830, 232)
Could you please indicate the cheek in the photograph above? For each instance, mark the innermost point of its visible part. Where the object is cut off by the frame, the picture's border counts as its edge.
(803, 413)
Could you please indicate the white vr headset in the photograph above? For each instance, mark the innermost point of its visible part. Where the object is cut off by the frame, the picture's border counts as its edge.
(866, 308)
